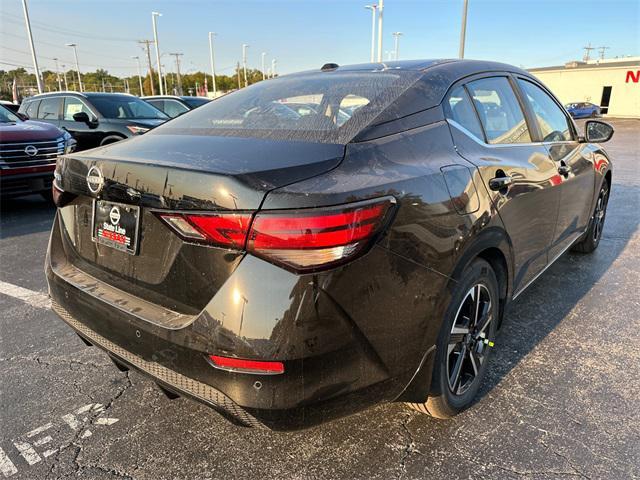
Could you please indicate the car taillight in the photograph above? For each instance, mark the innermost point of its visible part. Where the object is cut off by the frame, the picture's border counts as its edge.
(312, 239)
(301, 240)
(223, 230)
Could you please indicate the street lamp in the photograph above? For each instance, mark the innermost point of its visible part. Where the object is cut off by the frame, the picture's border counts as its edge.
(396, 36)
(373, 9)
(213, 68)
(244, 63)
(154, 16)
(139, 74)
(380, 10)
(33, 48)
(75, 54)
(264, 54)
(58, 75)
(273, 67)
(463, 28)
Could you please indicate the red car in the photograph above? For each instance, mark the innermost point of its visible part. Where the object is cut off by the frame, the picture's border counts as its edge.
(28, 152)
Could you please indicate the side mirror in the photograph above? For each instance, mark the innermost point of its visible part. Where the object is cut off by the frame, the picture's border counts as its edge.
(81, 117)
(597, 131)
(22, 116)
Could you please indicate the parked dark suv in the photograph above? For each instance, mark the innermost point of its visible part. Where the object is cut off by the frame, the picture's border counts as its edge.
(288, 269)
(94, 119)
(28, 152)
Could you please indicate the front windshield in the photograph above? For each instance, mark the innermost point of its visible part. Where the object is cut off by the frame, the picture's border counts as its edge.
(7, 116)
(327, 107)
(124, 106)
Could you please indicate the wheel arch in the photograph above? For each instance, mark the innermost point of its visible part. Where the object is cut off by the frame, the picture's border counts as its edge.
(111, 138)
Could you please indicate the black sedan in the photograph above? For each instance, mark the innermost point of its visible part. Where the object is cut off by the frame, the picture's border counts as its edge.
(291, 269)
(174, 106)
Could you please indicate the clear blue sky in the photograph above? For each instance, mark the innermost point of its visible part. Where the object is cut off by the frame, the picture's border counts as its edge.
(304, 34)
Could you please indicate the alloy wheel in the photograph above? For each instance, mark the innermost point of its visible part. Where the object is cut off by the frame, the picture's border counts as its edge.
(599, 214)
(469, 339)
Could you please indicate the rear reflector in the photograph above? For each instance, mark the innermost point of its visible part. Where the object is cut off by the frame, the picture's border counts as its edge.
(302, 240)
(246, 366)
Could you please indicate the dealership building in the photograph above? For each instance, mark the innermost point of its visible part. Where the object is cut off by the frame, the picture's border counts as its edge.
(613, 84)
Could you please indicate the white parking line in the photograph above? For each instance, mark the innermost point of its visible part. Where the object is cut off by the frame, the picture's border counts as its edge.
(35, 299)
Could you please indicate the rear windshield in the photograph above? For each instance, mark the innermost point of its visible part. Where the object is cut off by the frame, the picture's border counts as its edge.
(328, 107)
(121, 106)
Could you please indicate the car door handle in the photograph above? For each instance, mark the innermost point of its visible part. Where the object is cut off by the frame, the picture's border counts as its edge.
(564, 170)
(500, 183)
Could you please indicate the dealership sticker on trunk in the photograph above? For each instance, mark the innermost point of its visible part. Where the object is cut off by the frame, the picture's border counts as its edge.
(116, 225)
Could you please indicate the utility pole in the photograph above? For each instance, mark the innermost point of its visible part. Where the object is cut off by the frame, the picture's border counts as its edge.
(273, 67)
(380, 10)
(164, 80)
(244, 63)
(64, 76)
(238, 72)
(137, 57)
(213, 68)
(178, 55)
(75, 54)
(373, 9)
(463, 28)
(146, 44)
(154, 16)
(587, 52)
(58, 75)
(396, 36)
(33, 48)
(602, 50)
(264, 75)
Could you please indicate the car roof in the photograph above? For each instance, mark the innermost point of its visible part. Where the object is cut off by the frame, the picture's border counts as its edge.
(77, 94)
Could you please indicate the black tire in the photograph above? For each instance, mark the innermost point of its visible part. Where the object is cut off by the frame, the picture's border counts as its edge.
(111, 139)
(591, 239)
(478, 281)
(594, 114)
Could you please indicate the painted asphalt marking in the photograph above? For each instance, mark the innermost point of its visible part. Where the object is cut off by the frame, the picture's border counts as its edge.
(90, 414)
(35, 299)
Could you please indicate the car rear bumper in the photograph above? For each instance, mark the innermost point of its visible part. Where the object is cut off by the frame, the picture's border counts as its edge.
(25, 181)
(335, 364)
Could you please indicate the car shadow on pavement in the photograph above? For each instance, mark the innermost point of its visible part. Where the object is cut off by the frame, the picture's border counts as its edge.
(551, 298)
(25, 215)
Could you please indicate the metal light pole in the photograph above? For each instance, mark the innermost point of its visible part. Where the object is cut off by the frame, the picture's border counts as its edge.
(264, 75)
(58, 75)
(396, 36)
(154, 15)
(380, 10)
(75, 54)
(373, 9)
(33, 48)
(64, 76)
(463, 28)
(244, 63)
(213, 68)
(164, 80)
(137, 57)
(178, 55)
(273, 67)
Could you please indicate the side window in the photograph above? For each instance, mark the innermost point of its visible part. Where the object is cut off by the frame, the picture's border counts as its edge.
(50, 108)
(499, 111)
(32, 109)
(550, 118)
(459, 109)
(173, 108)
(72, 106)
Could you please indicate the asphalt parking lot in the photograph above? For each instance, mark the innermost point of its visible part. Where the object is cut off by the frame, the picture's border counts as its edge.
(561, 400)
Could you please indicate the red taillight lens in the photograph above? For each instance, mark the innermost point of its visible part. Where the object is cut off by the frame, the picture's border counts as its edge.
(246, 366)
(306, 240)
(223, 230)
(302, 240)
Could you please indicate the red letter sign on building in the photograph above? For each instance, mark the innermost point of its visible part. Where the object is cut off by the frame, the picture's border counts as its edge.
(633, 77)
